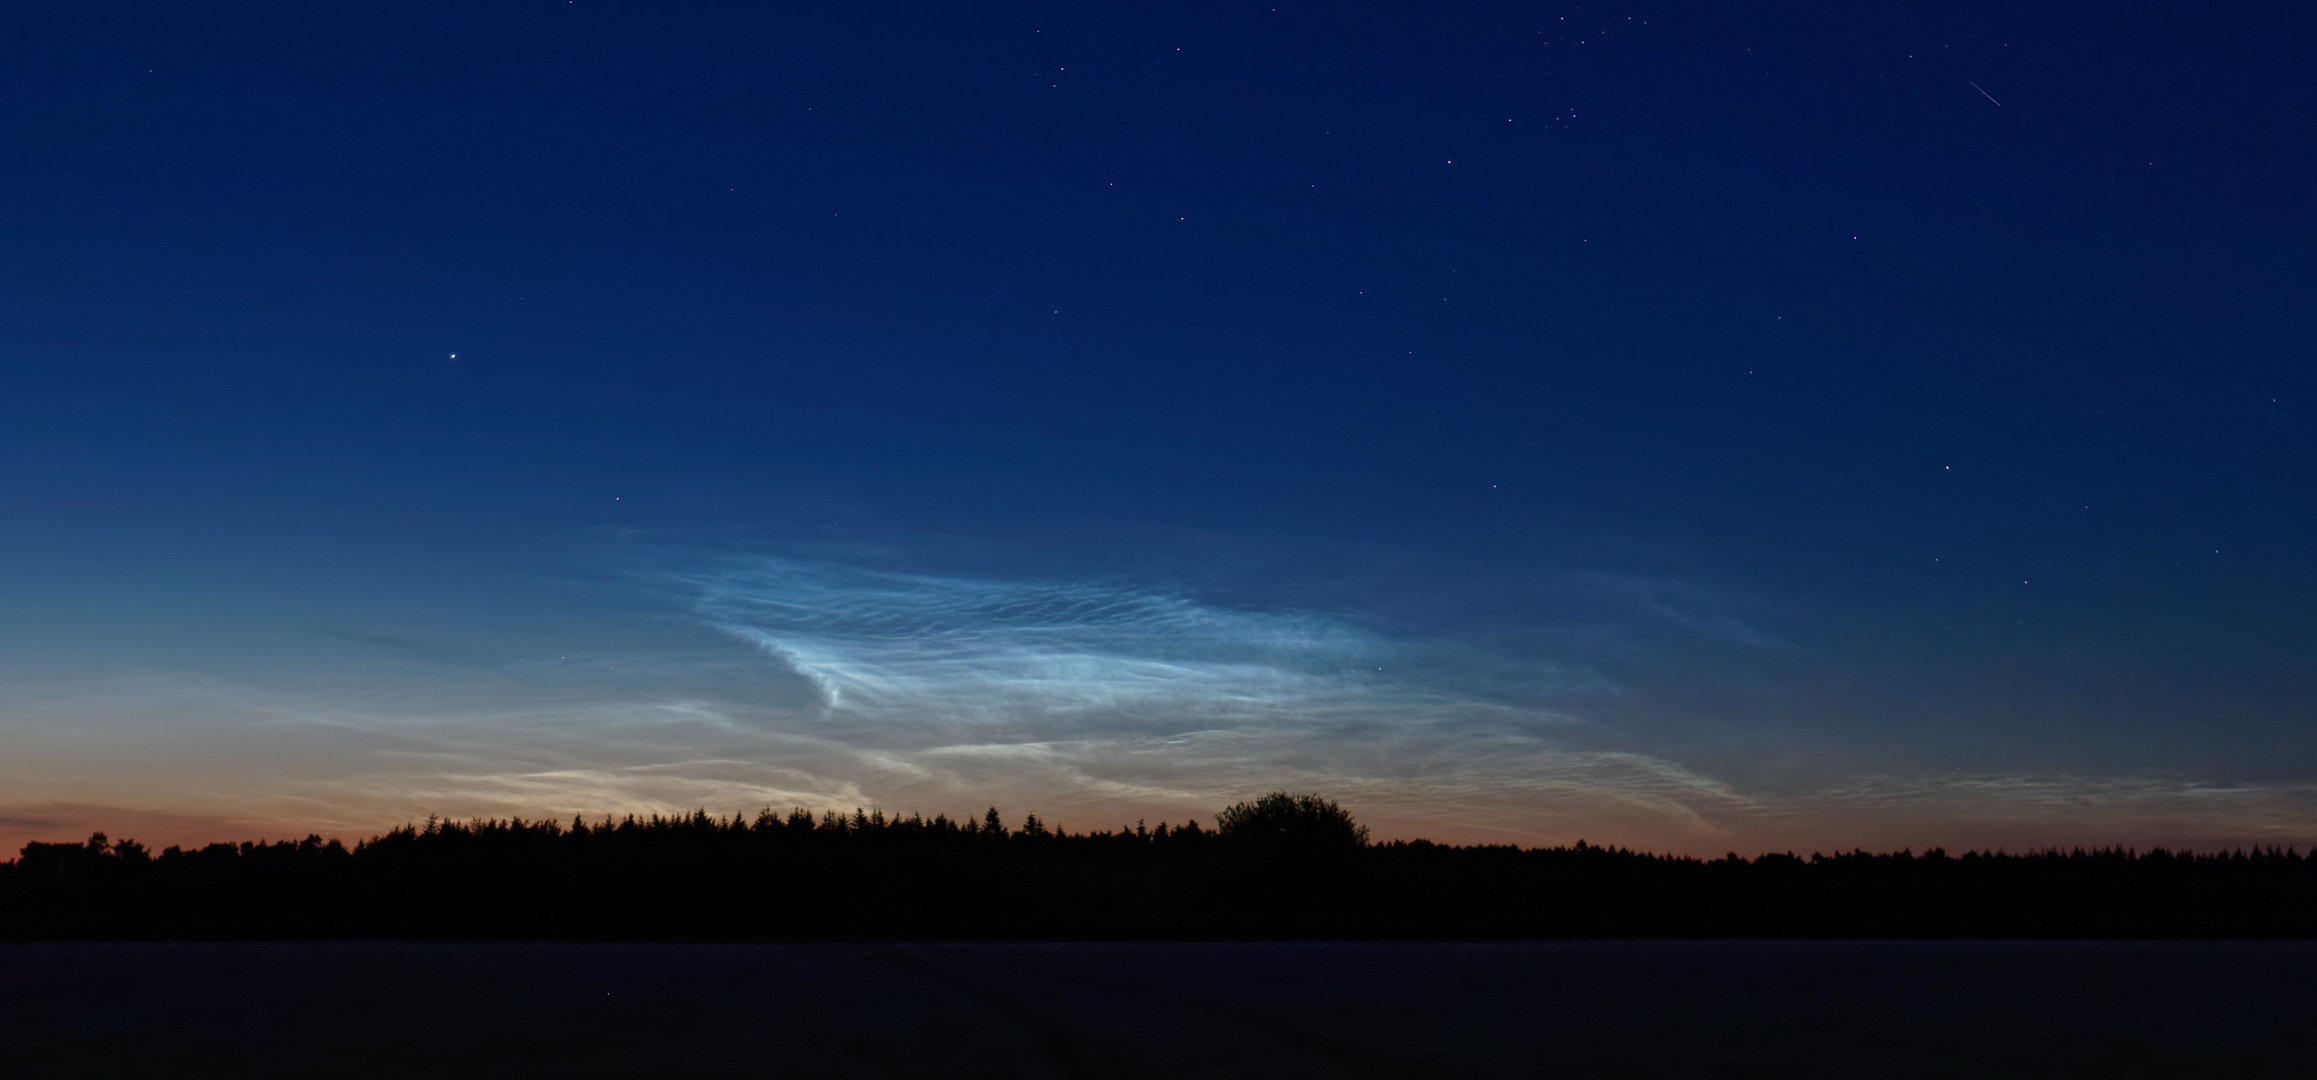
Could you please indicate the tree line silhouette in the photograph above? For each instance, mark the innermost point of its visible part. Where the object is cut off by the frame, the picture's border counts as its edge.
(1281, 867)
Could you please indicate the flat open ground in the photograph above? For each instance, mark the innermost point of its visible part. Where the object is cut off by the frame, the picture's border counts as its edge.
(1626, 1010)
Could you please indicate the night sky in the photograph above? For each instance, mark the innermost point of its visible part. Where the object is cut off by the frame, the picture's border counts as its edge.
(1700, 427)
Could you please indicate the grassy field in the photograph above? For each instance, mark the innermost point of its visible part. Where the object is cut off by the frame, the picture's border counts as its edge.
(1626, 1010)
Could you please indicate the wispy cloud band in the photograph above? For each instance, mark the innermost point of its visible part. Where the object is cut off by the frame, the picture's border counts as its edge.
(1093, 702)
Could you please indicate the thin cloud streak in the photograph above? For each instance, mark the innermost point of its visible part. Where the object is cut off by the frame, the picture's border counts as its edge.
(885, 644)
(1090, 703)
(1093, 693)
(2095, 809)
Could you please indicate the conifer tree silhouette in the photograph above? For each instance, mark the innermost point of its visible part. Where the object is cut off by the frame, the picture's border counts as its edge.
(1283, 865)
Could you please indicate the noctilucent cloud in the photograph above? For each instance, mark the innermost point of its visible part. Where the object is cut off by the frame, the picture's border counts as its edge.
(1722, 428)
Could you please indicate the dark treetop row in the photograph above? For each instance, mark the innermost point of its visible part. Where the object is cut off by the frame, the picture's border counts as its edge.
(1281, 867)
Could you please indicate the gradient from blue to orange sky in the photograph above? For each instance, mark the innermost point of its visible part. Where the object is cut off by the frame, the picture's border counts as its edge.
(1699, 427)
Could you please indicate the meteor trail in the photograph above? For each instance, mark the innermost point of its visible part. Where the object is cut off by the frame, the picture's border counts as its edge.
(1983, 93)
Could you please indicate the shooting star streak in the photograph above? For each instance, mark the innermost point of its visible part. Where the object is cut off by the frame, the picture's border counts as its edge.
(1983, 93)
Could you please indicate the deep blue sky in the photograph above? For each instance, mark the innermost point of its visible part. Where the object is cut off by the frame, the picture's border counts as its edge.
(1686, 425)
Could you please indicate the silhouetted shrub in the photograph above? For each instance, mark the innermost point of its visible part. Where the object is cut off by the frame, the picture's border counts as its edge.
(1299, 820)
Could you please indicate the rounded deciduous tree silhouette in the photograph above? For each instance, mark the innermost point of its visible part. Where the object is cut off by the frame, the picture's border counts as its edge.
(1286, 818)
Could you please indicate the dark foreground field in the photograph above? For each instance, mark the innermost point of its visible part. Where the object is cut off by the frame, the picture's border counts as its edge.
(1598, 1009)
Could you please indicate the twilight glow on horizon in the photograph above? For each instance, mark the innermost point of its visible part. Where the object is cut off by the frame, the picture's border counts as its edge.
(1694, 429)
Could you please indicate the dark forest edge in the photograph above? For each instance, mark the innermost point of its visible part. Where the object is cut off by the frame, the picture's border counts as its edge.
(1283, 867)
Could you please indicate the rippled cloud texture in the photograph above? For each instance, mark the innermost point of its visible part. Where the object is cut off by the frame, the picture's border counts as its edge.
(1102, 694)
(1109, 693)
(781, 681)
